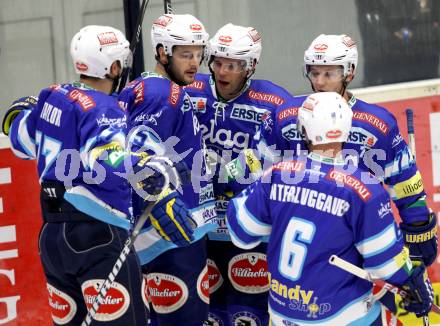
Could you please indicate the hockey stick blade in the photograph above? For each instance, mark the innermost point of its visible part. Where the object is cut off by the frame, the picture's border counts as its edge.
(362, 273)
(133, 45)
(102, 292)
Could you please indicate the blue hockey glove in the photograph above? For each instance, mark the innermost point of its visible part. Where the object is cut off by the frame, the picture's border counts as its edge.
(422, 240)
(24, 103)
(172, 220)
(420, 293)
(159, 179)
(155, 173)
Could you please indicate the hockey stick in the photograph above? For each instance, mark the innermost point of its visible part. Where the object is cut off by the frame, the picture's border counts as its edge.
(133, 45)
(412, 146)
(102, 292)
(410, 126)
(362, 273)
(167, 7)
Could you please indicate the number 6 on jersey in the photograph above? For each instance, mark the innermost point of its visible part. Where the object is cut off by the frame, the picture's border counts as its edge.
(293, 249)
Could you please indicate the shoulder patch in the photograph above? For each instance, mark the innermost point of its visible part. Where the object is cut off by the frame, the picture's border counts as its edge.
(266, 97)
(287, 113)
(85, 101)
(372, 120)
(174, 96)
(350, 181)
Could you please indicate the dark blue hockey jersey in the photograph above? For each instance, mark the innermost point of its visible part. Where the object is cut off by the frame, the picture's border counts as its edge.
(311, 208)
(375, 143)
(161, 121)
(77, 135)
(229, 127)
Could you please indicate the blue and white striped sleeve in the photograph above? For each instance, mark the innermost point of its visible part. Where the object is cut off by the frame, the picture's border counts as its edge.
(22, 135)
(248, 218)
(380, 242)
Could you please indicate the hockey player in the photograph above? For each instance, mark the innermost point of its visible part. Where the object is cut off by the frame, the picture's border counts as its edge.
(162, 122)
(325, 211)
(374, 142)
(77, 134)
(231, 107)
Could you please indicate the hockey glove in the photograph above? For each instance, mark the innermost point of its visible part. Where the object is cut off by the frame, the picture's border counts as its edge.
(422, 240)
(157, 173)
(172, 220)
(159, 179)
(24, 103)
(420, 293)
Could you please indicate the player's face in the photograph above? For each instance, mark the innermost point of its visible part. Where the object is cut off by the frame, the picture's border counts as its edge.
(186, 61)
(230, 75)
(326, 78)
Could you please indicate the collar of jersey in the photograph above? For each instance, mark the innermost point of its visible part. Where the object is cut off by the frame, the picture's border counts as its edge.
(352, 101)
(218, 97)
(80, 85)
(325, 159)
(149, 74)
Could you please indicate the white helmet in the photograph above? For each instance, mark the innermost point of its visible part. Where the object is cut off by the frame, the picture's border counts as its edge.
(330, 50)
(236, 42)
(170, 30)
(94, 48)
(326, 118)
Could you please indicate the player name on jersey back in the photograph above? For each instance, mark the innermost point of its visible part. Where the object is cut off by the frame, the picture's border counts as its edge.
(310, 198)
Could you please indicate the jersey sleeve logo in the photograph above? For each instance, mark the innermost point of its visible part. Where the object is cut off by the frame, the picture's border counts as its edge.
(175, 90)
(350, 181)
(266, 97)
(291, 166)
(139, 93)
(287, 113)
(372, 120)
(85, 101)
(197, 84)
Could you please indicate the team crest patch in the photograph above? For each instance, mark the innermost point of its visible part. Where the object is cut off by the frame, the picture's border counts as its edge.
(248, 272)
(167, 292)
(115, 303)
(203, 285)
(245, 318)
(215, 278)
(62, 306)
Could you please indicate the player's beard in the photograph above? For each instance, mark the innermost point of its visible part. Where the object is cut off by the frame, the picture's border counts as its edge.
(170, 72)
(115, 83)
